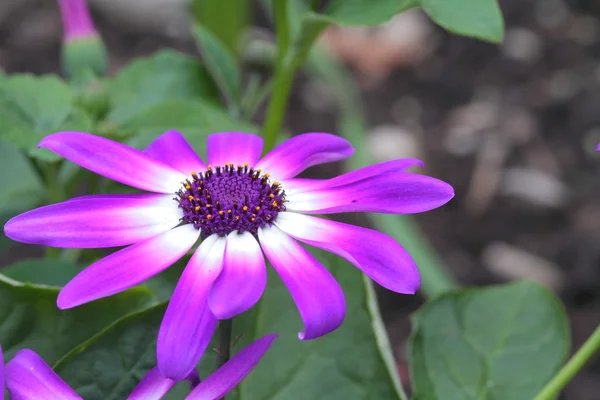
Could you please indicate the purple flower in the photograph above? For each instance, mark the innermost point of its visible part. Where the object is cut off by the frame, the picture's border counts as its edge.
(28, 377)
(77, 22)
(241, 206)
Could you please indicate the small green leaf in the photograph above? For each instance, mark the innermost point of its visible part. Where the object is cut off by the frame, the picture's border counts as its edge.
(221, 63)
(502, 342)
(109, 365)
(32, 107)
(163, 76)
(366, 12)
(42, 272)
(352, 363)
(481, 19)
(21, 185)
(29, 318)
(311, 27)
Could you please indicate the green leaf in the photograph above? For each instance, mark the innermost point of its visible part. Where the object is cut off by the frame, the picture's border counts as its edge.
(502, 342)
(32, 107)
(146, 82)
(42, 272)
(311, 27)
(366, 12)
(352, 363)
(109, 365)
(481, 19)
(29, 318)
(194, 119)
(21, 185)
(221, 63)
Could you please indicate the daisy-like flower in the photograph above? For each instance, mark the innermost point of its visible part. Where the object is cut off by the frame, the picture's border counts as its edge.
(240, 205)
(28, 377)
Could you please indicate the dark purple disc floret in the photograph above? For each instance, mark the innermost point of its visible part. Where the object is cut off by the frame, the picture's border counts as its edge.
(228, 198)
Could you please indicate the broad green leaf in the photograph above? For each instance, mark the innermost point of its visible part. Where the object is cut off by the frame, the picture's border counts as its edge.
(21, 185)
(366, 12)
(29, 318)
(146, 82)
(352, 363)
(221, 63)
(42, 272)
(481, 19)
(194, 119)
(497, 343)
(109, 365)
(32, 107)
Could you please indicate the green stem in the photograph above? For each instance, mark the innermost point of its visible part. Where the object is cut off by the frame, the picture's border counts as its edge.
(283, 79)
(224, 350)
(570, 369)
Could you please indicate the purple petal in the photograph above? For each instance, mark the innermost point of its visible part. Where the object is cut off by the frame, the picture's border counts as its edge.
(391, 192)
(1, 375)
(172, 149)
(377, 255)
(152, 387)
(234, 148)
(96, 221)
(315, 291)
(188, 324)
(300, 152)
(29, 377)
(243, 279)
(233, 371)
(115, 161)
(128, 267)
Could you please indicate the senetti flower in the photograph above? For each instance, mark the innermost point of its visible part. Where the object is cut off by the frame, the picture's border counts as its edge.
(28, 377)
(241, 206)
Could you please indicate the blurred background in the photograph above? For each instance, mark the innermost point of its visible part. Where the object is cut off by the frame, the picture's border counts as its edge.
(512, 127)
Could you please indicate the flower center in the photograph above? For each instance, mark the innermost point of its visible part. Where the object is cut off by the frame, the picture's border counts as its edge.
(226, 199)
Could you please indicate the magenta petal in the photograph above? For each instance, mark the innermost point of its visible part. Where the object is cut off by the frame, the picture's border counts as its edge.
(315, 291)
(128, 267)
(392, 192)
(218, 384)
(172, 149)
(243, 279)
(96, 221)
(29, 377)
(235, 148)
(152, 387)
(377, 255)
(188, 324)
(300, 152)
(115, 161)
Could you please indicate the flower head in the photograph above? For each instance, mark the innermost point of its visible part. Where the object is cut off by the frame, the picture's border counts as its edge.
(77, 22)
(241, 206)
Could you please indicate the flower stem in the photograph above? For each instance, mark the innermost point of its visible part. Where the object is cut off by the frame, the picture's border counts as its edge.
(224, 350)
(570, 369)
(284, 76)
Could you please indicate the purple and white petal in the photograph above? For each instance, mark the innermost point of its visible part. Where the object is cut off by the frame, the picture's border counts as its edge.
(235, 148)
(152, 387)
(114, 160)
(392, 193)
(315, 291)
(1, 375)
(188, 324)
(172, 149)
(29, 377)
(243, 279)
(300, 152)
(96, 221)
(376, 254)
(128, 267)
(223, 380)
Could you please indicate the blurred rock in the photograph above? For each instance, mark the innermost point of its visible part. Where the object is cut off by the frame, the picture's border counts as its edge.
(389, 142)
(318, 96)
(534, 187)
(513, 263)
(522, 45)
(550, 14)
